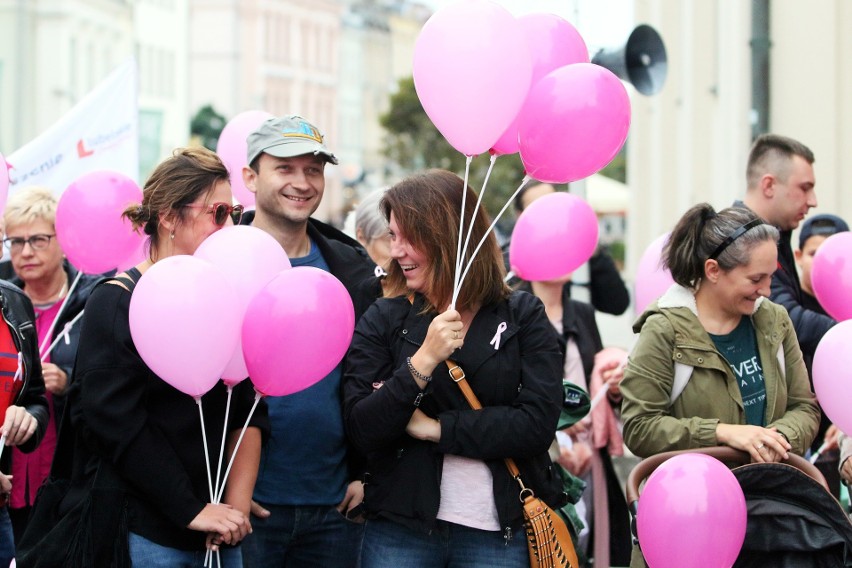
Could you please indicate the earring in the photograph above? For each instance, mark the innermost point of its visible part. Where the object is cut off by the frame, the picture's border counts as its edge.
(172, 236)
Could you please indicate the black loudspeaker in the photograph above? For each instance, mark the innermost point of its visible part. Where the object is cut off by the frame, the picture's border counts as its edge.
(641, 62)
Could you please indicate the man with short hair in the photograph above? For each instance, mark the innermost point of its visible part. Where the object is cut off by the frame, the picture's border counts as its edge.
(780, 189)
(308, 481)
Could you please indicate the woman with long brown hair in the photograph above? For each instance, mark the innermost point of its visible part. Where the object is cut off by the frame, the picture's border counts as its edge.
(438, 492)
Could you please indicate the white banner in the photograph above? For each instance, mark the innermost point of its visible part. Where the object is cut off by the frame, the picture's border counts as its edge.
(101, 132)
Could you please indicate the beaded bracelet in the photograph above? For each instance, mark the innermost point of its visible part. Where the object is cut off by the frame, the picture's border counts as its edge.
(417, 374)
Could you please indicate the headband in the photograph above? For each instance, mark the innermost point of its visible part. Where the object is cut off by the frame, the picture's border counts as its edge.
(734, 236)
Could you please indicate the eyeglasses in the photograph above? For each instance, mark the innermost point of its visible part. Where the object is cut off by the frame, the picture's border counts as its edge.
(36, 242)
(221, 212)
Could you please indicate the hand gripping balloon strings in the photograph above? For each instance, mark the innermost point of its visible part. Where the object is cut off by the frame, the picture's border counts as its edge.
(524, 182)
(18, 374)
(41, 348)
(457, 286)
(66, 334)
(257, 398)
(468, 160)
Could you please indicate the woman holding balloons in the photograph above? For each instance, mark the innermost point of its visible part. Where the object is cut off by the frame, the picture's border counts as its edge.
(139, 429)
(46, 278)
(438, 491)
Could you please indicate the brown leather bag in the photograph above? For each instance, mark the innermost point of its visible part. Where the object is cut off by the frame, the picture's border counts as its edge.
(548, 539)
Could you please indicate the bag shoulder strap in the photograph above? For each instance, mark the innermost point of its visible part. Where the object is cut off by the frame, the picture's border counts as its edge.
(458, 376)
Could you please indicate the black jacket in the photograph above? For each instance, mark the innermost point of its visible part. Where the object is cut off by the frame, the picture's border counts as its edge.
(786, 290)
(19, 317)
(65, 352)
(519, 385)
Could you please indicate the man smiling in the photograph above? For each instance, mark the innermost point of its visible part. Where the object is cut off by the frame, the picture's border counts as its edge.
(307, 481)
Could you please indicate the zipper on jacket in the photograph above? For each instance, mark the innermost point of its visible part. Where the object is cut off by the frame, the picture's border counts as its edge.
(507, 535)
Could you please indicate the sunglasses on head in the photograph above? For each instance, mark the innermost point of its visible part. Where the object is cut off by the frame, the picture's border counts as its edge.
(221, 211)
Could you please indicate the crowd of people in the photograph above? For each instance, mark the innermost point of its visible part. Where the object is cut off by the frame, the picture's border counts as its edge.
(383, 462)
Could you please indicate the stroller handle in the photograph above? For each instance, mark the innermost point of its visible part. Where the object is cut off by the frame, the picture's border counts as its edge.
(722, 453)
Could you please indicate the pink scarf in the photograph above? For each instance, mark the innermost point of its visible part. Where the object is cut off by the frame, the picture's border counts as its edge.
(605, 428)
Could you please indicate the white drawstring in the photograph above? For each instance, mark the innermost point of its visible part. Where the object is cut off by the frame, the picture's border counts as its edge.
(495, 341)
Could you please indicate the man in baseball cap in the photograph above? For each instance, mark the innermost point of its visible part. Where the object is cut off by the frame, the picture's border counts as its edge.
(305, 486)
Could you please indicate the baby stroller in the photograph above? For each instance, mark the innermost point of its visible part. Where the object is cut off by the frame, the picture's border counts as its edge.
(793, 521)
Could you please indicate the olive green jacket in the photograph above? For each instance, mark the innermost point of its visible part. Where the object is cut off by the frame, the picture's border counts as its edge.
(670, 333)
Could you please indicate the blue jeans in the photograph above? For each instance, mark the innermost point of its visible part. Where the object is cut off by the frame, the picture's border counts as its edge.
(7, 538)
(392, 545)
(147, 554)
(302, 536)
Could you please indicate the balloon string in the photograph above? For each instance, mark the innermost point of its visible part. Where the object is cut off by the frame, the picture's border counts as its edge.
(56, 317)
(237, 446)
(457, 287)
(468, 160)
(224, 435)
(206, 452)
(524, 182)
(65, 332)
(509, 276)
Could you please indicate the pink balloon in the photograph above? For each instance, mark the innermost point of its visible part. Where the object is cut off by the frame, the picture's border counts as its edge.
(140, 253)
(574, 122)
(232, 148)
(89, 225)
(831, 275)
(249, 258)
(4, 183)
(296, 330)
(185, 322)
(832, 374)
(652, 280)
(553, 43)
(471, 73)
(553, 236)
(692, 514)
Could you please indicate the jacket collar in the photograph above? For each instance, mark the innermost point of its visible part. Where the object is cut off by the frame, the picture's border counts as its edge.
(678, 296)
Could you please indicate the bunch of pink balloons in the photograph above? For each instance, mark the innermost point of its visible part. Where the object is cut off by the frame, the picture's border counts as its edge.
(553, 236)
(236, 309)
(652, 280)
(232, 149)
(490, 81)
(94, 236)
(831, 275)
(692, 514)
(832, 373)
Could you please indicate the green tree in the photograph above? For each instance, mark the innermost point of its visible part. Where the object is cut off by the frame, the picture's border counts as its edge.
(413, 143)
(207, 125)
